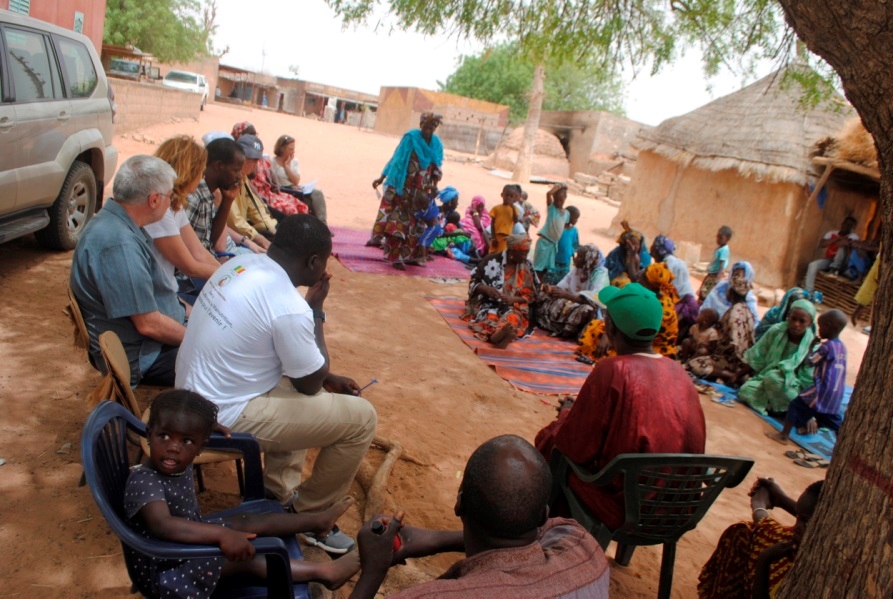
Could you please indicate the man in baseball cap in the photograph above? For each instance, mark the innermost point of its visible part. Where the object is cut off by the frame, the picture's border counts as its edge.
(635, 402)
(249, 214)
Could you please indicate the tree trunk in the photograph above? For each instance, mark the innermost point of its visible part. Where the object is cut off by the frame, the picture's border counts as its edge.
(524, 164)
(848, 549)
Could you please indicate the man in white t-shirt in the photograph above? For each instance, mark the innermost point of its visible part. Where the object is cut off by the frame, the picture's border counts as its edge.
(256, 348)
(837, 246)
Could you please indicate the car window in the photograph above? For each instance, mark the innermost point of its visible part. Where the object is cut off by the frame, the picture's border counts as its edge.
(80, 74)
(181, 77)
(33, 68)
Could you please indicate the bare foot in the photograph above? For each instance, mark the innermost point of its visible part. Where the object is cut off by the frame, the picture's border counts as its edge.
(329, 517)
(501, 338)
(335, 573)
(777, 436)
(399, 266)
(417, 263)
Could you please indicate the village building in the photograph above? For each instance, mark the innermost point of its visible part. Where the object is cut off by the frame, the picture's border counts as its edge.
(743, 160)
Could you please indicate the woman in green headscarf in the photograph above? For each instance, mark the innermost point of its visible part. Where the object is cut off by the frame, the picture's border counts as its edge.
(777, 362)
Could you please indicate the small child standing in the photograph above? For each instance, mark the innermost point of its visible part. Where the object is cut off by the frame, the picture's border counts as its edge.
(567, 247)
(717, 269)
(819, 405)
(160, 502)
(702, 336)
(530, 215)
(549, 236)
(503, 218)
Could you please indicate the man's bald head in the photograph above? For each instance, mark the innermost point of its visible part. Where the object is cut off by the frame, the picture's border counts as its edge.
(506, 488)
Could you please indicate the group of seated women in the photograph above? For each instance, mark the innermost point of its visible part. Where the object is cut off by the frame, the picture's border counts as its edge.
(722, 339)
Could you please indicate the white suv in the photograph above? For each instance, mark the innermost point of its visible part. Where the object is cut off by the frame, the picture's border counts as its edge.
(192, 82)
(56, 127)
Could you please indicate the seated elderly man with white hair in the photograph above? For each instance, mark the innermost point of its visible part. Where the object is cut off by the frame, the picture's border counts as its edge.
(118, 283)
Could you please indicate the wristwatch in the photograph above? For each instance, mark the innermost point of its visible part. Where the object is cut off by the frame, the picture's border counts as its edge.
(320, 314)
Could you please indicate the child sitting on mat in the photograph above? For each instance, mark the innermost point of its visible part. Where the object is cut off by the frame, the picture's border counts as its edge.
(820, 403)
(160, 503)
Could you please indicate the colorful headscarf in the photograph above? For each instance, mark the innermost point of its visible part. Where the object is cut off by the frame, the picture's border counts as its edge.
(779, 313)
(447, 194)
(805, 305)
(659, 275)
(662, 247)
(430, 117)
(627, 232)
(518, 242)
(592, 259)
(469, 227)
(239, 129)
(739, 283)
(746, 267)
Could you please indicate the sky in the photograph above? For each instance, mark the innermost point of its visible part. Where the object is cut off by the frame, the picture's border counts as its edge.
(273, 35)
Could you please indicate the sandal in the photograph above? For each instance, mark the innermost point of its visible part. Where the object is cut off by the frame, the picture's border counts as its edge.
(803, 455)
(807, 463)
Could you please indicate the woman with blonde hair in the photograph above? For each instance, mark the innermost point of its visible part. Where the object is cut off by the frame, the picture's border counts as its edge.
(175, 243)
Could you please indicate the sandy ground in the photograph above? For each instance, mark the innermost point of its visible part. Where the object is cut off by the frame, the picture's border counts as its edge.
(435, 396)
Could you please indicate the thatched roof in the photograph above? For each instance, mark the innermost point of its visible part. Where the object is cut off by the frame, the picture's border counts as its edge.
(760, 130)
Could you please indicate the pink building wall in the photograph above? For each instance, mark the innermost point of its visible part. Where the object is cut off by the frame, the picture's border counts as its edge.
(61, 13)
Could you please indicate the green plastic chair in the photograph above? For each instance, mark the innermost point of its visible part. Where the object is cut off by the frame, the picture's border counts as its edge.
(665, 496)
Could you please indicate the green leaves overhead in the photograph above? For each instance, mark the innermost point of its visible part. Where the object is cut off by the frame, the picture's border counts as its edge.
(500, 74)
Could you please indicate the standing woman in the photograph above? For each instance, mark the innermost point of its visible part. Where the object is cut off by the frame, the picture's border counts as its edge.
(414, 167)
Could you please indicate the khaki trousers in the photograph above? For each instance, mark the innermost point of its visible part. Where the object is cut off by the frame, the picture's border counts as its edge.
(287, 424)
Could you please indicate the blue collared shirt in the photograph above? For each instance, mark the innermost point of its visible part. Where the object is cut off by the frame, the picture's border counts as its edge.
(114, 275)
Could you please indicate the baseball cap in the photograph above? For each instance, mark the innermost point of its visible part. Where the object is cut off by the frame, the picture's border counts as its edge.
(634, 310)
(252, 146)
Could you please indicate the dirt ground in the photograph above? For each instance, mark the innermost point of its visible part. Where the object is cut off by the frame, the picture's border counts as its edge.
(435, 396)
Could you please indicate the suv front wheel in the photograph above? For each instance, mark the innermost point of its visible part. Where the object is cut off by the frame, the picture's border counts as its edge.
(71, 210)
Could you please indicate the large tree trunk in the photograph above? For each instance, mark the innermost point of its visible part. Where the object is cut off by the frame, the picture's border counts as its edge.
(848, 549)
(524, 163)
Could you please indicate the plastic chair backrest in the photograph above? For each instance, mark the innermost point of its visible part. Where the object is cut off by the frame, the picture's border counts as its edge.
(118, 367)
(666, 495)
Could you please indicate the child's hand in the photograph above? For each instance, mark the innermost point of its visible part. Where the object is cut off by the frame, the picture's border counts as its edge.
(235, 545)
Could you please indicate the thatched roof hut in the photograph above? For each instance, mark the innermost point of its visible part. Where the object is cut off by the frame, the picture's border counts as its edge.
(744, 161)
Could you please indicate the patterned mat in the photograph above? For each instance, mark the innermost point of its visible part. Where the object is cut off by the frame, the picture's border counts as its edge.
(822, 443)
(349, 247)
(537, 364)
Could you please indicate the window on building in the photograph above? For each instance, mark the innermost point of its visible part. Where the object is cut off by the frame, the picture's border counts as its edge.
(20, 6)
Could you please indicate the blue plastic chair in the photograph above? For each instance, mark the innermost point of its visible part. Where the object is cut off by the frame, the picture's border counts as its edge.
(106, 466)
(665, 495)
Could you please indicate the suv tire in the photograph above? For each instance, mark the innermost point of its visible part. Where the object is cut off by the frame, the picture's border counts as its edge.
(71, 210)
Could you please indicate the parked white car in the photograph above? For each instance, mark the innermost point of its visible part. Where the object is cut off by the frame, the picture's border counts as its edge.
(192, 82)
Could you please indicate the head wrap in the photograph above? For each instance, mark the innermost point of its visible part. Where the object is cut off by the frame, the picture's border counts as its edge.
(746, 267)
(239, 128)
(634, 310)
(518, 242)
(658, 274)
(805, 305)
(627, 232)
(662, 247)
(478, 201)
(592, 259)
(448, 194)
(739, 283)
(430, 117)
(212, 135)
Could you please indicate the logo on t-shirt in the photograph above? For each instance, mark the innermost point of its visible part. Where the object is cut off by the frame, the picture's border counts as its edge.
(239, 270)
(224, 280)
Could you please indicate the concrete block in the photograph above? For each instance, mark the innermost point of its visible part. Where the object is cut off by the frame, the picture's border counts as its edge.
(688, 251)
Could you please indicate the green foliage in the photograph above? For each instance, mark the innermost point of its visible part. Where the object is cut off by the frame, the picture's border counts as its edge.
(502, 75)
(169, 29)
(735, 34)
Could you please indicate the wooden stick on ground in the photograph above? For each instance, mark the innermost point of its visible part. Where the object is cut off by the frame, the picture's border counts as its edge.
(375, 483)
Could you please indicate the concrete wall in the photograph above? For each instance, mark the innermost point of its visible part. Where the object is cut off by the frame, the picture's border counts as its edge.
(399, 109)
(61, 13)
(593, 139)
(144, 104)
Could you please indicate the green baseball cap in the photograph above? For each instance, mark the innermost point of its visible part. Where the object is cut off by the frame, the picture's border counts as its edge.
(635, 310)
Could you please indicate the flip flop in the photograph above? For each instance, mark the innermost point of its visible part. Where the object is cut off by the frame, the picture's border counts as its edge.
(807, 463)
(803, 455)
(724, 401)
